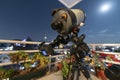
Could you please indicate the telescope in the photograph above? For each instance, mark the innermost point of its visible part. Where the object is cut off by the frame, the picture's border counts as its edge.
(65, 20)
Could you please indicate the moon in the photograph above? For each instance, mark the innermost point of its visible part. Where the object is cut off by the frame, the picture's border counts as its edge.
(105, 7)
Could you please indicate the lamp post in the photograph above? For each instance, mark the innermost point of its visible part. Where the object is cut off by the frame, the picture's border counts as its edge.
(45, 37)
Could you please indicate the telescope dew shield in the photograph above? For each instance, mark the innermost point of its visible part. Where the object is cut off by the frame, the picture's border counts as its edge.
(64, 20)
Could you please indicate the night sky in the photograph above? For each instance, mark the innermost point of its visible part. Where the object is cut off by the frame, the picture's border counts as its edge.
(22, 18)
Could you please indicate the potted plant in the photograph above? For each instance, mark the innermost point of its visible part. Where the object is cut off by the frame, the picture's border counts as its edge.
(6, 74)
(37, 59)
(40, 59)
(98, 66)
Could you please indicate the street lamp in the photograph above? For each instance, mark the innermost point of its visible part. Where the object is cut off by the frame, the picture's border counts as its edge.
(45, 37)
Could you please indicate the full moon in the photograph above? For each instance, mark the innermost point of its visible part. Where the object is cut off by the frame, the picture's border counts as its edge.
(105, 7)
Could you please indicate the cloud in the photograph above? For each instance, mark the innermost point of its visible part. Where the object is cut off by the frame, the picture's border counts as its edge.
(104, 36)
(103, 31)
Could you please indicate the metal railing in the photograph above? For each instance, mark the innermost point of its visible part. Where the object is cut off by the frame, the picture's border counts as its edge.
(93, 47)
(27, 51)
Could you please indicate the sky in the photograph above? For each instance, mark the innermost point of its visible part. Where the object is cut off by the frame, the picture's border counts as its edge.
(22, 18)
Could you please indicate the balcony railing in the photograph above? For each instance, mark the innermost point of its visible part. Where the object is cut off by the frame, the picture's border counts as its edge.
(92, 46)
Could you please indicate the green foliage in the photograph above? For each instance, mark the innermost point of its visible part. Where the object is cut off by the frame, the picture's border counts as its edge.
(22, 56)
(2, 72)
(14, 57)
(27, 65)
(9, 73)
(66, 68)
(42, 60)
(97, 62)
(19, 56)
(6, 73)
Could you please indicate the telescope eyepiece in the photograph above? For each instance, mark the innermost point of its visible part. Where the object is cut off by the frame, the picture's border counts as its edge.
(57, 26)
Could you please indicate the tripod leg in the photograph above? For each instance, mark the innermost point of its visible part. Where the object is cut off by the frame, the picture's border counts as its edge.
(85, 72)
(76, 74)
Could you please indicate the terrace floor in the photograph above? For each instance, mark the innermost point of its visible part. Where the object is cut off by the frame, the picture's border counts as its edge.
(58, 76)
